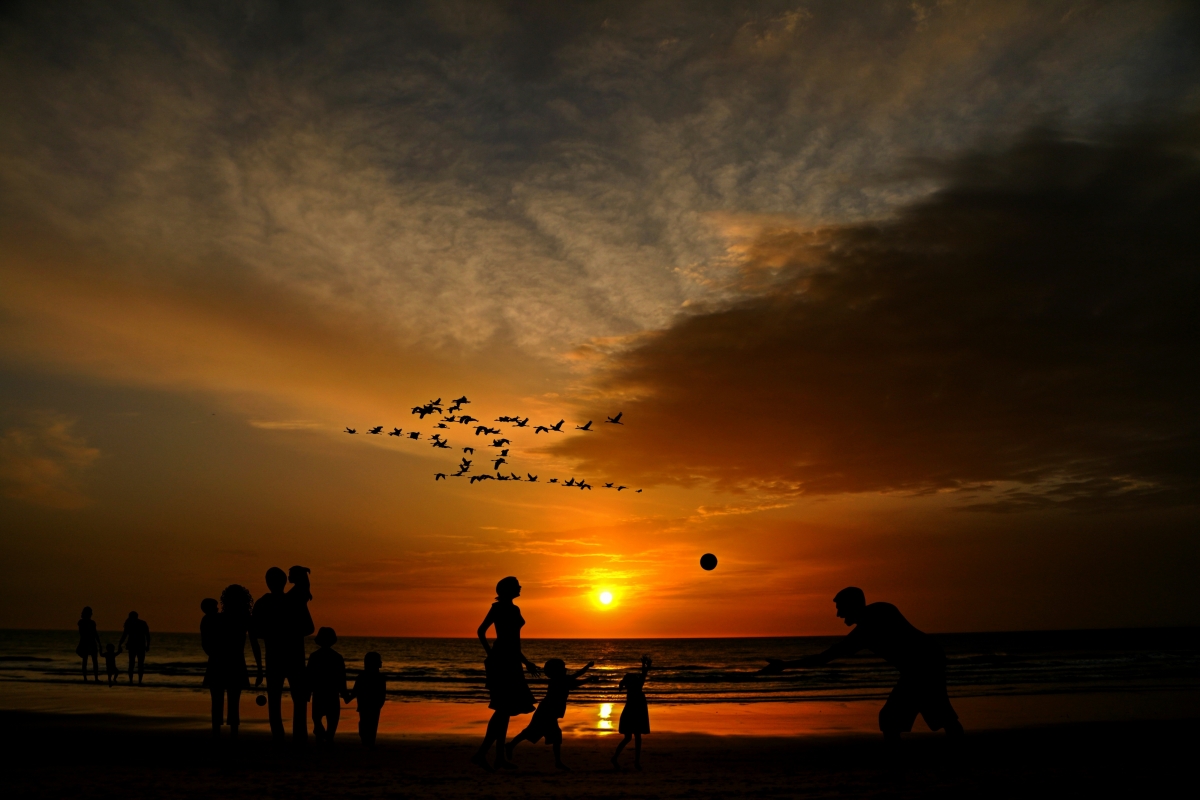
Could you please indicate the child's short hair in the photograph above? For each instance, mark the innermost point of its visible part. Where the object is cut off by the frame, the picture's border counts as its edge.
(326, 637)
(209, 605)
(555, 666)
(372, 660)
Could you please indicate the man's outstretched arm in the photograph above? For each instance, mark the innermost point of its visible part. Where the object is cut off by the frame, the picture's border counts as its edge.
(845, 646)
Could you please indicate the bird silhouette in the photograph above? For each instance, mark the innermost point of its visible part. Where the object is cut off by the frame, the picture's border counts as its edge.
(540, 429)
(462, 401)
(557, 427)
(424, 411)
(466, 463)
(502, 477)
(608, 486)
(466, 419)
(470, 450)
(504, 452)
(515, 476)
(351, 430)
(498, 462)
(481, 478)
(587, 427)
(619, 488)
(439, 476)
(450, 418)
(458, 474)
(483, 429)
(570, 482)
(395, 432)
(441, 425)
(504, 419)
(453, 408)
(437, 437)
(584, 485)
(521, 423)
(616, 420)
(553, 480)
(639, 491)
(378, 429)
(414, 435)
(532, 478)
(499, 442)
(442, 443)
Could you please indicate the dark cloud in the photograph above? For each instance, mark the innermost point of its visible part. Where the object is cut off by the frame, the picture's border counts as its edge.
(1027, 335)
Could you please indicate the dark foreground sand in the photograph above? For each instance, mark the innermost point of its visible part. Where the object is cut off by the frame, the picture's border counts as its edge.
(61, 756)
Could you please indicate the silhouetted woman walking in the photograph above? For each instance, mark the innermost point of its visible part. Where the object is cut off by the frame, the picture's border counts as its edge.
(89, 643)
(227, 676)
(506, 684)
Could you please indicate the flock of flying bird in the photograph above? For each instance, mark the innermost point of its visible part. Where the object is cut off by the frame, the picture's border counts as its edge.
(451, 416)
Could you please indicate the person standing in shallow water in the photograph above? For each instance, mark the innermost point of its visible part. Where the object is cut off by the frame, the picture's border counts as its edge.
(136, 639)
(89, 642)
(882, 629)
(507, 689)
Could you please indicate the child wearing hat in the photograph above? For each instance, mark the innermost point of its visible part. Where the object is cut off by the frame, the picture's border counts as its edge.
(327, 681)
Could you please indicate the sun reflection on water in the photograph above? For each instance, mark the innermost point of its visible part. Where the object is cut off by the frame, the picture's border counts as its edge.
(605, 717)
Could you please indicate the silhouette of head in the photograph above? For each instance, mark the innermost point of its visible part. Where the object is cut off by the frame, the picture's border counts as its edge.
(236, 600)
(555, 668)
(372, 660)
(508, 588)
(208, 605)
(325, 637)
(298, 575)
(86, 613)
(850, 601)
(133, 615)
(276, 579)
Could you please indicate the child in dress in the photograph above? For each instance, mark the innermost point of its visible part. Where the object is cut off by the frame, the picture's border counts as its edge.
(635, 717)
(110, 664)
(327, 680)
(552, 708)
(370, 688)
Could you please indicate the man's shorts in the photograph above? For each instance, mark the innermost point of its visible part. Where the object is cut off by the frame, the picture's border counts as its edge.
(923, 693)
(543, 728)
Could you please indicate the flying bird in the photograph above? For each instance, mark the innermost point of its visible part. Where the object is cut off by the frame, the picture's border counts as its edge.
(608, 486)
(470, 450)
(395, 432)
(553, 480)
(466, 463)
(462, 401)
(498, 462)
(378, 429)
(515, 476)
(442, 443)
(439, 476)
(557, 427)
(414, 435)
(616, 420)
(454, 408)
(474, 478)
(351, 430)
(521, 423)
(437, 437)
(639, 491)
(585, 485)
(504, 452)
(619, 488)
(587, 427)
(570, 482)
(467, 419)
(532, 478)
(502, 477)
(540, 429)
(499, 442)
(483, 429)
(441, 425)
(504, 419)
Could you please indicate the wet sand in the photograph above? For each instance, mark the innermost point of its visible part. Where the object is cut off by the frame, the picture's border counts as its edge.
(52, 755)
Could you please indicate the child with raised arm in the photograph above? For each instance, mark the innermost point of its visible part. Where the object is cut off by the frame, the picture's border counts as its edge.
(635, 717)
(327, 680)
(370, 688)
(110, 663)
(552, 708)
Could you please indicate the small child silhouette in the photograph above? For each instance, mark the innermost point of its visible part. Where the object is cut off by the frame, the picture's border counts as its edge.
(110, 664)
(552, 708)
(370, 688)
(635, 717)
(327, 680)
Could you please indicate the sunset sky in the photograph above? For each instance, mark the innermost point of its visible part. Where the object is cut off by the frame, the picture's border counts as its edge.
(894, 294)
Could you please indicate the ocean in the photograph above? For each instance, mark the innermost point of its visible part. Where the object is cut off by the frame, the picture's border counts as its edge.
(694, 670)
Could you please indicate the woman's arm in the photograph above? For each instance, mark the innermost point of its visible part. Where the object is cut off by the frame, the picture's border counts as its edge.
(482, 632)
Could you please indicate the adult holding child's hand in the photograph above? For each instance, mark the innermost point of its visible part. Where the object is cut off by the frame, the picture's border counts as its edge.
(507, 689)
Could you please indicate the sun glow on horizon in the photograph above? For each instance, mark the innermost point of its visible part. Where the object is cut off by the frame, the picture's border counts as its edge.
(606, 598)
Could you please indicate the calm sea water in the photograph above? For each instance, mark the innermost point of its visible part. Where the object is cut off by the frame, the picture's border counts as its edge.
(690, 671)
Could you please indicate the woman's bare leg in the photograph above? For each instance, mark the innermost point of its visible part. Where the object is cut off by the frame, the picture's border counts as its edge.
(497, 731)
(85, 669)
(620, 746)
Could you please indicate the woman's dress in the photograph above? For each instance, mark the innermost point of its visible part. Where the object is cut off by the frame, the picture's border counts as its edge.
(505, 673)
(635, 717)
(89, 643)
(227, 663)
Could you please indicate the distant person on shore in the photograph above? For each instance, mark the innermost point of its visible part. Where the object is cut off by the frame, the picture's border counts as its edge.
(136, 639)
(89, 643)
(507, 689)
(635, 716)
(370, 689)
(882, 629)
(223, 637)
(283, 622)
(110, 664)
(327, 680)
(552, 708)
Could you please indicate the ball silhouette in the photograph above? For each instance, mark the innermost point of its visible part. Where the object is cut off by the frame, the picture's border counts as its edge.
(261, 700)
(708, 561)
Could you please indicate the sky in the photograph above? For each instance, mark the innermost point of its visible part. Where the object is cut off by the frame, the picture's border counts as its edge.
(892, 294)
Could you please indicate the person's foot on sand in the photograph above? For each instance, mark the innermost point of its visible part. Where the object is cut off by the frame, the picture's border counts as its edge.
(508, 750)
(561, 765)
(480, 760)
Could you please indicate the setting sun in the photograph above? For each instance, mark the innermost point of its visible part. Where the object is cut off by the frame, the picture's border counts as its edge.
(606, 598)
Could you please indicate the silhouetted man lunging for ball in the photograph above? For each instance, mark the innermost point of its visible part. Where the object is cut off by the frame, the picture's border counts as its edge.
(882, 629)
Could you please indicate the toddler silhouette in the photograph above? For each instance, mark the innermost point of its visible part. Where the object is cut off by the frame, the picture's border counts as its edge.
(552, 708)
(327, 680)
(370, 688)
(110, 663)
(635, 717)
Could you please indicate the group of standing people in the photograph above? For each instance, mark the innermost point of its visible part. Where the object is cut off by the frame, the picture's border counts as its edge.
(281, 619)
(135, 640)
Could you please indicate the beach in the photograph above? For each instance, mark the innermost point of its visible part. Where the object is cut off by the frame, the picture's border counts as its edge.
(108, 756)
